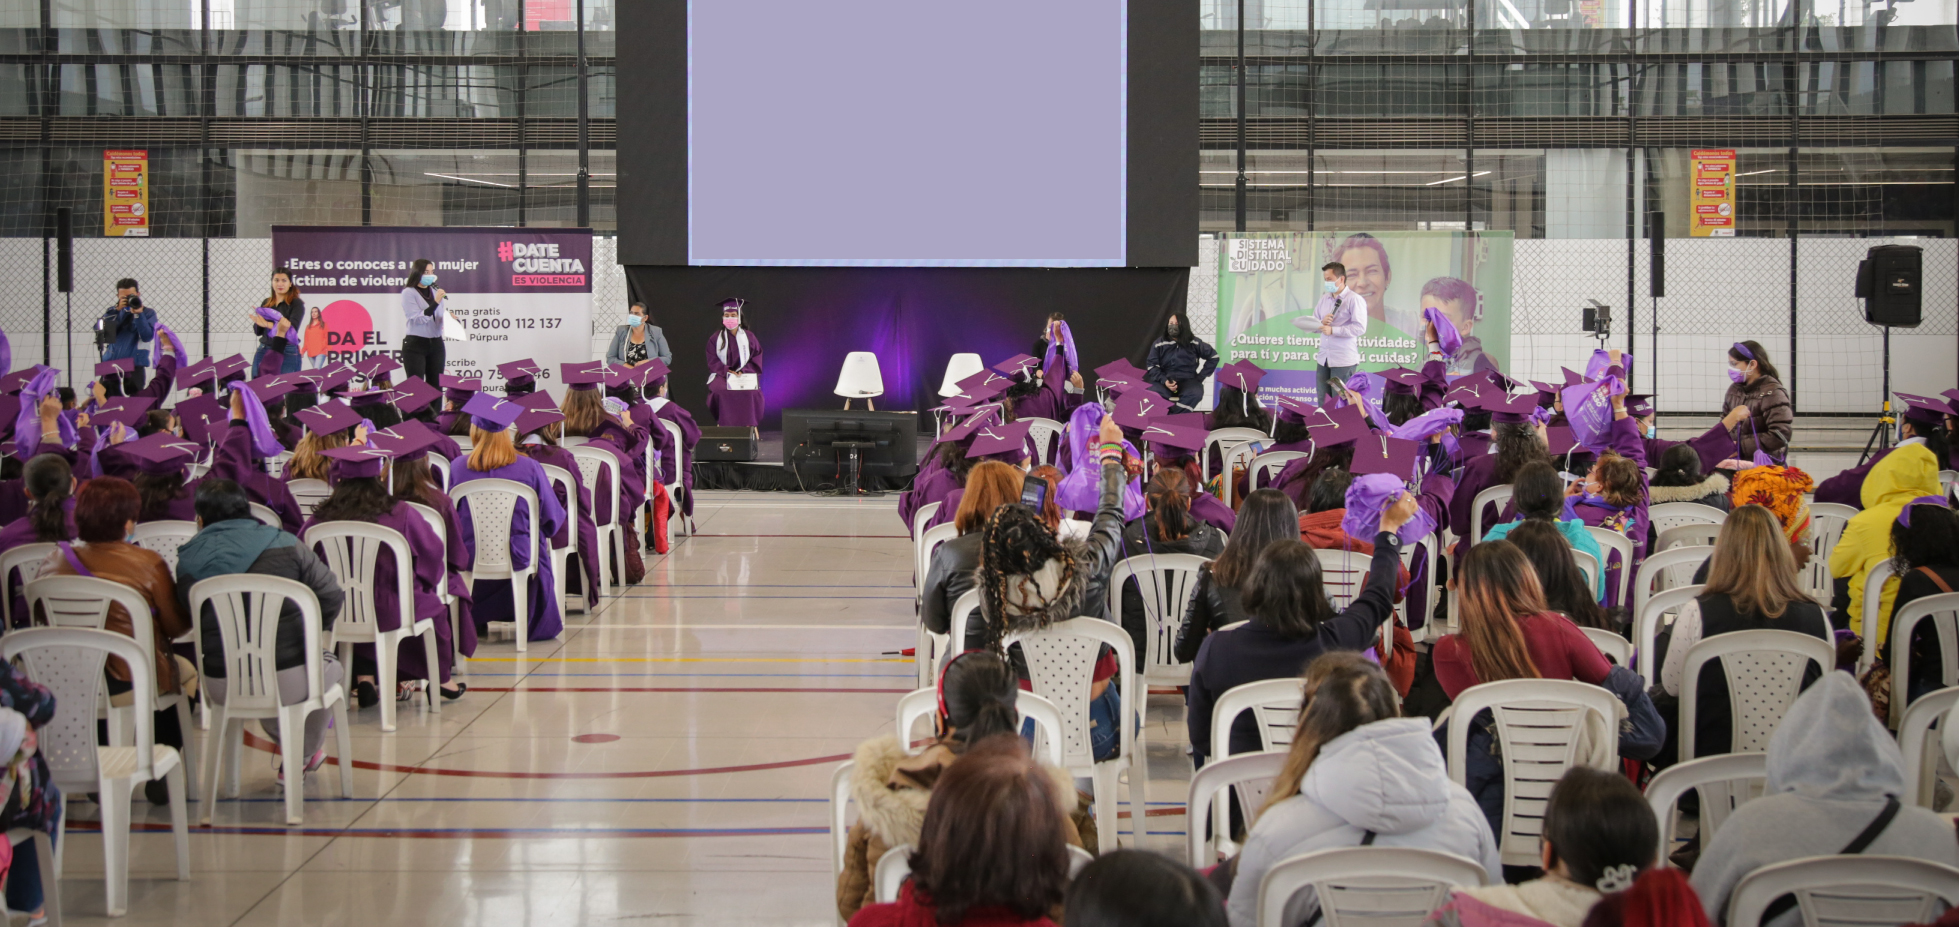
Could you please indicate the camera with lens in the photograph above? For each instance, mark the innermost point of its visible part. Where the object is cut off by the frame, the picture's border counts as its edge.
(135, 302)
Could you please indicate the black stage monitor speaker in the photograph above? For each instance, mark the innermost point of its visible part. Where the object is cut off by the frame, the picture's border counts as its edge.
(64, 250)
(886, 442)
(1888, 281)
(737, 444)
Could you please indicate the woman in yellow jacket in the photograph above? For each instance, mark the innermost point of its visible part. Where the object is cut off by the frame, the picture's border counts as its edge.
(1903, 475)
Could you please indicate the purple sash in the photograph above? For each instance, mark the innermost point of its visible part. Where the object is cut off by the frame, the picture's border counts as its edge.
(68, 550)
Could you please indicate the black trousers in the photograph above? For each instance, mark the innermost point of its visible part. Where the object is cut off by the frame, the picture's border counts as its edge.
(423, 357)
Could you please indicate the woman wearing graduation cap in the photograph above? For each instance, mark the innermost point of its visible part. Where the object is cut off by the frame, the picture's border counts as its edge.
(587, 415)
(247, 442)
(157, 467)
(734, 352)
(413, 479)
(537, 433)
(1924, 422)
(494, 456)
(651, 378)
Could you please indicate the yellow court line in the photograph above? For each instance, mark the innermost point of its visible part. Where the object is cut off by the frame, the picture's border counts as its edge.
(685, 660)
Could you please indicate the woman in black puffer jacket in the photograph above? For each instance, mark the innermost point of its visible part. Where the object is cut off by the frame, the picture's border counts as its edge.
(1268, 515)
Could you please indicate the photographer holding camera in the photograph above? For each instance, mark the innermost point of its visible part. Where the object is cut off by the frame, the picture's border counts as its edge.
(126, 330)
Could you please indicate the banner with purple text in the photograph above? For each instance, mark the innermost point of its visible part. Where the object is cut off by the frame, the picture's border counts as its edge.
(517, 292)
(1269, 283)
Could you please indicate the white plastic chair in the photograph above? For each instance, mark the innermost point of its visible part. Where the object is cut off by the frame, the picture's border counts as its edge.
(275, 465)
(308, 493)
(683, 462)
(839, 818)
(923, 703)
(1266, 467)
(1943, 611)
(26, 561)
(894, 867)
(1873, 605)
(1826, 523)
(1165, 582)
(493, 516)
(163, 538)
(963, 612)
(561, 478)
(458, 662)
(1225, 441)
(931, 650)
(1697, 534)
(1343, 574)
(1043, 432)
(1274, 704)
(69, 662)
(1667, 569)
(1674, 514)
(1249, 774)
(246, 607)
(959, 367)
(1848, 891)
(1378, 886)
(1764, 670)
(1616, 648)
(929, 542)
(1915, 742)
(859, 378)
(1588, 565)
(924, 514)
(1724, 782)
(592, 462)
(1948, 479)
(352, 550)
(1493, 496)
(1646, 626)
(1061, 661)
(1237, 457)
(266, 516)
(440, 468)
(1611, 542)
(1541, 727)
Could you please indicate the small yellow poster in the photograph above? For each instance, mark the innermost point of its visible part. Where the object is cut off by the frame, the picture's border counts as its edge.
(1713, 193)
(125, 193)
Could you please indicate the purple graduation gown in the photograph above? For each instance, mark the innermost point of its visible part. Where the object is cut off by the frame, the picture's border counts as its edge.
(940, 486)
(425, 550)
(1052, 400)
(1847, 487)
(588, 550)
(492, 597)
(1208, 509)
(413, 664)
(1713, 446)
(629, 447)
(1623, 439)
(690, 435)
(237, 461)
(733, 408)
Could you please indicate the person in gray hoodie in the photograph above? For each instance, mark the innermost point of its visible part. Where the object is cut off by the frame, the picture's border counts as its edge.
(1357, 774)
(1832, 770)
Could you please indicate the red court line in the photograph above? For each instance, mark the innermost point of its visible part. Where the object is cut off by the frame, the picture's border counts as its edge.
(254, 741)
(676, 689)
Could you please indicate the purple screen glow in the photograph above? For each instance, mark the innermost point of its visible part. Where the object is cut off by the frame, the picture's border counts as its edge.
(919, 133)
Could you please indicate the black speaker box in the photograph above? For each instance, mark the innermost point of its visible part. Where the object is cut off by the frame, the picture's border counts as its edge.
(738, 444)
(1889, 281)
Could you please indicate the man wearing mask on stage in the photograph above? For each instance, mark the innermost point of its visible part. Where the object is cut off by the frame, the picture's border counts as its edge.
(1340, 319)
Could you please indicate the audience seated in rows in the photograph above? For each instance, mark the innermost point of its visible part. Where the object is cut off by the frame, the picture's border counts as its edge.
(1166, 527)
(1905, 474)
(1565, 589)
(1926, 538)
(1266, 516)
(1136, 888)
(989, 485)
(1679, 479)
(1538, 495)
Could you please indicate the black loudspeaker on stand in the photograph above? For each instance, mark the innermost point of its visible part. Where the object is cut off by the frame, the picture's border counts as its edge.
(1889, 282)
(64, 275)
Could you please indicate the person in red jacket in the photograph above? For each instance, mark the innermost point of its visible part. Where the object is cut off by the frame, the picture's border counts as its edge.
(993, 850)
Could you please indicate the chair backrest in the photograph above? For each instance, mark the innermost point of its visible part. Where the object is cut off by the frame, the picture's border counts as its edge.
(1948, 479)
(889, 876)
(265, 515)
(1060, 664)
(1343, 573)
(1236, 457)
(1764, 670)
(1826, 523)
(69, 662)
(1880, 573)
(439, 467)
(913, 705)
(1646, 626)
(246, 609)
(1617, 648)
(1266, 467)
(964, 610)
(308, 493)
(275, 465)
(352, 550)
(1225, 440)
(164, 537)
(437, 526)
(1165, 582)
(83, 602)
(1042, 432)
(1724, 783)
(929, 542)
(1542, 728)
(492, 506)
(561, 479)
(1249, 774)
(1493, 496)
(1915, 743)
(1848, 891)
(1695, 534)
(1588, 565)
(922, 703)
(25, 562)
(1666, 569)
(1274, 704)
(1943, 612)
(839, 818)
(924, 514)
(592, 462)
(680, 461)
(1674, 514)
(1611, 542)
(1378, 886)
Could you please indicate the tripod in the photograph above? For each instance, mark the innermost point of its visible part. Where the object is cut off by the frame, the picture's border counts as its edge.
(1881, 432)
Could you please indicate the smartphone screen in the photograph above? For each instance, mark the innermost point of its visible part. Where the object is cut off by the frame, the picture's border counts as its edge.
(1033, 492)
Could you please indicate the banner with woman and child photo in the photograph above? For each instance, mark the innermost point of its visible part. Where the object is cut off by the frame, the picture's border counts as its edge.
(1269, 282)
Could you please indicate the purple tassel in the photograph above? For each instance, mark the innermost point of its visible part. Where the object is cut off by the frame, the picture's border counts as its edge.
(263, 441)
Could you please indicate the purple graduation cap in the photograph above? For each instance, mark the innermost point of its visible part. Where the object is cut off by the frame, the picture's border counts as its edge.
(375, 366)
(1952, 396)
(125, 411)
(965, 429)
(1242, 374)
(327, 380)
(583, 375)
(1295, 410)
(534, 419)
(1428, 424)
(1925, 410)
(115, 368)
(193, 374)
(407, 441)
(1505, 409)
(458, 390)
(16, 381)
(983, 385)
(534, 401)
(638, 377)
(1402, 381)
(1334, 427)
(1640, 405)
(413, 393)
(1559, 440)
(232, 368)
(1119, 375)
(491, 413)
(1006, 442)
(1369, 496)
(1397, 457)
(1571, 377)
(201, 416)
(1473, 390)
(357, 462)
(1169, 439)
(274, 388)
(526, 369)
(160, 454)
(1447, 339)
(1547, 394)
(1019, 366)
(328, 417)
(1137, 408)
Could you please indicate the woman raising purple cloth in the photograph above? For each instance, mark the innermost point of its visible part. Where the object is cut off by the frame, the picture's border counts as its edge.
(494, 457)
(734, 352)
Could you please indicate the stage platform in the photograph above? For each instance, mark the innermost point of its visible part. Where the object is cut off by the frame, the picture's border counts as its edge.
(767, 473)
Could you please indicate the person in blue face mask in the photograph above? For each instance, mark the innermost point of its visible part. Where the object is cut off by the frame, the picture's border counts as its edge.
(638, 341)
(422, 350)
(1768, 418)
(1340, 319)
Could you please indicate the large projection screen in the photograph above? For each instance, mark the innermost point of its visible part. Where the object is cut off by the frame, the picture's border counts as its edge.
(894, 133)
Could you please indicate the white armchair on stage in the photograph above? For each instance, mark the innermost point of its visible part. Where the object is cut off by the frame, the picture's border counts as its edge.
(860, 379)
(959, 368)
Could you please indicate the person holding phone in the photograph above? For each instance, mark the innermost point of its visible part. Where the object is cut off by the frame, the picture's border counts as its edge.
(1340, 319)
(422, 351)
